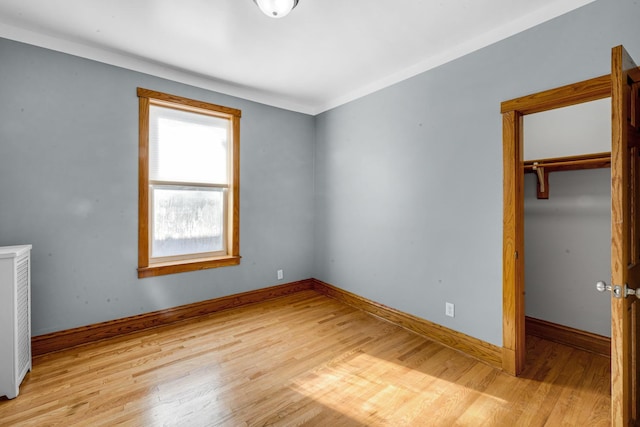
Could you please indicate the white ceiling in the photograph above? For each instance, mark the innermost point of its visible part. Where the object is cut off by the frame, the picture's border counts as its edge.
(325, 53)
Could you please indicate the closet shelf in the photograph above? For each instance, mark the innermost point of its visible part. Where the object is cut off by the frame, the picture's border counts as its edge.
(543, 167)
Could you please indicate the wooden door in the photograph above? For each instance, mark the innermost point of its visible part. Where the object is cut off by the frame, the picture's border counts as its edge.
(625, 237)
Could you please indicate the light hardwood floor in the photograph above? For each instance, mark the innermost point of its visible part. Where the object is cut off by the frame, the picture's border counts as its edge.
(304, 359)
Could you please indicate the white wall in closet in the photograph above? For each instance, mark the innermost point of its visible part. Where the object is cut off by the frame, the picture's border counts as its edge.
(578, 129)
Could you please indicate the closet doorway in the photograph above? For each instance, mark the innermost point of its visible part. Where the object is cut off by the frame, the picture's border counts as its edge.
(567, 216)
(513, 112)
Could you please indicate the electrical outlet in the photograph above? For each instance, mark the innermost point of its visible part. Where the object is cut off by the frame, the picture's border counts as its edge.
(280, 275)
(449, 309)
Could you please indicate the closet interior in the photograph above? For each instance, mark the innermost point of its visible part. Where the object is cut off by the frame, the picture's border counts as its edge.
(567, 226)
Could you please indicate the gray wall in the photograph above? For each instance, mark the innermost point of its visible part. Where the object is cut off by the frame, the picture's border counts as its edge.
(409, 179)
(567, 250)
(68, 185)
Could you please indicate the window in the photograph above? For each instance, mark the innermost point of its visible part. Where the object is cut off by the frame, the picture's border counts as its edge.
(188, 185)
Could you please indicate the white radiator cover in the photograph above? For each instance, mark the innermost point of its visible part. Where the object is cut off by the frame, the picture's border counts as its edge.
(15, 317)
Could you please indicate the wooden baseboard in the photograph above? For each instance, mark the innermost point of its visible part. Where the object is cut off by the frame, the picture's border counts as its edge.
(481, 350)
(61, 340)
(568, 336)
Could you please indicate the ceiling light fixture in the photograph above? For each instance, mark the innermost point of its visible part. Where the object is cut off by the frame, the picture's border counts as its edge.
(276, 8)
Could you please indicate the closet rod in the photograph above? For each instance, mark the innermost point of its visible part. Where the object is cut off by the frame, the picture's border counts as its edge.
(585, 161)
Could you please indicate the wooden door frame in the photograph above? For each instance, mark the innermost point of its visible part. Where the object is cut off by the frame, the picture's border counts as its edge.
(513, 111)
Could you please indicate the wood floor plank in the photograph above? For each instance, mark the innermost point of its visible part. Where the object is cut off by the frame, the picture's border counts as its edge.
(303, 359)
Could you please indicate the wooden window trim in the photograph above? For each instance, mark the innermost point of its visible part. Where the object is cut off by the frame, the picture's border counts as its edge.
(232, 257)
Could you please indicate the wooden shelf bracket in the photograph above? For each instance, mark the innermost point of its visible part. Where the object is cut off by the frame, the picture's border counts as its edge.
(543, 181)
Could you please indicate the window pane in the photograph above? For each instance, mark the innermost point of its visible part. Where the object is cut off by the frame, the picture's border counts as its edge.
(187, 220)
(187, 147)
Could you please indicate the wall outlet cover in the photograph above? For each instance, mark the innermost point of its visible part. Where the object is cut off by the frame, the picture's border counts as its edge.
(449, 309)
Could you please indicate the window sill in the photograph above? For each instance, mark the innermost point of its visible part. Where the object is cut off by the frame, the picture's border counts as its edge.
(183, 266)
